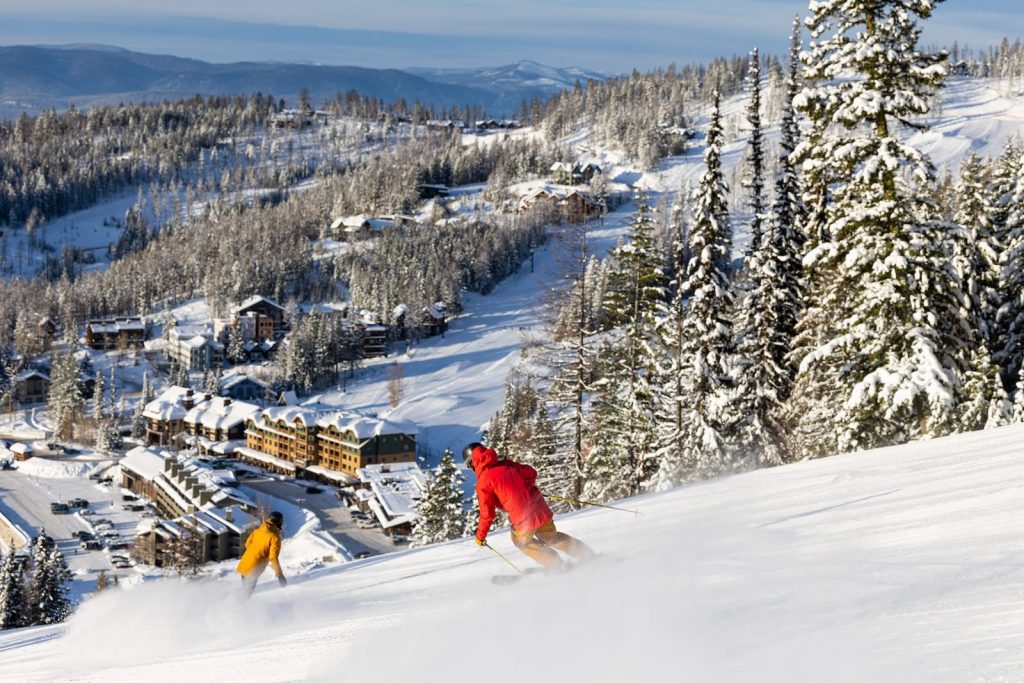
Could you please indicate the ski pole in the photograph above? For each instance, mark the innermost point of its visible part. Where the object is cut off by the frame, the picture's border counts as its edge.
(592, 503)
(510, 562)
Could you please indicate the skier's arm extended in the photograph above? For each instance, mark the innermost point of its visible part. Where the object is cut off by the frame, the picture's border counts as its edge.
(487, 503)
(275, 550)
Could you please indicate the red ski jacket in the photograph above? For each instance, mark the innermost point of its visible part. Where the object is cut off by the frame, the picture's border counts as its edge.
(510, 486)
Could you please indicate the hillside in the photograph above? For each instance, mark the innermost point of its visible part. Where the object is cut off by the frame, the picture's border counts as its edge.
(36, 77)
(895, 565)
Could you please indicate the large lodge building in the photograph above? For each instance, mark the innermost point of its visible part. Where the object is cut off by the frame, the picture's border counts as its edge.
(292, 440)
(331, 445)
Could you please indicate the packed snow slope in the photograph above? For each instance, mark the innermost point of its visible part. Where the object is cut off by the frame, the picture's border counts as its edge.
(901, 564)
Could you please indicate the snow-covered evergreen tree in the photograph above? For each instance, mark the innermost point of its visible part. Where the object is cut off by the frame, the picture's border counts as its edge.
(985, 404)
(707, 348)
(113, 401)
(1017, 411)
(754, 179)
(1009, 352)
(99, 399)
(48, 593)
(236, 345)
(669, 446)
(571, 360)
(13, 604)
(770, 306)
(1003, 181)
(441, 509)
(138, 419)
(885, 346)
(635, 292)
(976, 250)
(65, 401)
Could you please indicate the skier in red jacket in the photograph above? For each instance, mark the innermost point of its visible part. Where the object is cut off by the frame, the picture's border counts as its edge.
(511, 486)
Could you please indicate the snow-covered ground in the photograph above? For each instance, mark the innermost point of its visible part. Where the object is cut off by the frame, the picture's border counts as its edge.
(897, 564)
(900, 564)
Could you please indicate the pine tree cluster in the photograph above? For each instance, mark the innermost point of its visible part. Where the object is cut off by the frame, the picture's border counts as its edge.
(34, 592)
(876, 304)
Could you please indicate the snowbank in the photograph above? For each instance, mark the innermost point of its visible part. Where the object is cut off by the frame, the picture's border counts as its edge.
(58, 469)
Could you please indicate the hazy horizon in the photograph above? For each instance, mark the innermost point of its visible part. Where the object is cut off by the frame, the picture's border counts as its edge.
(593, 34)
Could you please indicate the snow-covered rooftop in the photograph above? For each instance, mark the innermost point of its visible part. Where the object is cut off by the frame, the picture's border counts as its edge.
(397, 486)
(289, 414)
(144, 461)
(364, 427)
(235, 378)
(29, 374)
(221, 413)
(252, 300)
(170, 405)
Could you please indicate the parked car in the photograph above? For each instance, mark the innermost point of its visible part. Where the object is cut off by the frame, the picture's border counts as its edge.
(90, 545)
(83, 535)
(362, 553)
(135, 507)
(87, 512)
(121, 564)
(60, 509)
(118, 545)
(399, 539)
(78, 503)
(314, 489)
(103, 524)
(128, 496)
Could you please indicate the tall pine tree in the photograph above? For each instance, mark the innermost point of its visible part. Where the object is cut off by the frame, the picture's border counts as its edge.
(885, 346)
(48, 593)
(635, 292)
(754, 180)
(13, 605)
(772, 303)
(707, 348)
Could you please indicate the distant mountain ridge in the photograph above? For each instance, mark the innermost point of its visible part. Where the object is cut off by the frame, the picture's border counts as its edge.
(33, 78)
(524, 79)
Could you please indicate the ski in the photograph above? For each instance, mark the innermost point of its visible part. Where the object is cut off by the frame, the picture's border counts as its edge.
(506, 579)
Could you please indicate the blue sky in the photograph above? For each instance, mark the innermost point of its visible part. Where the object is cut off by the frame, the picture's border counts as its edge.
(598, 34)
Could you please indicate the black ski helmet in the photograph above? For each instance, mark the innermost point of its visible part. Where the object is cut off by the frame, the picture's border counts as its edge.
(467, 453)
(277, 519)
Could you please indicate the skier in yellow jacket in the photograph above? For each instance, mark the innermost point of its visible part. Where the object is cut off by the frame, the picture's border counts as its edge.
(262, 548)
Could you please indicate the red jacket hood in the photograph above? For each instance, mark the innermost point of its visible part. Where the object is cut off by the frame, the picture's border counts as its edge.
(483, 458)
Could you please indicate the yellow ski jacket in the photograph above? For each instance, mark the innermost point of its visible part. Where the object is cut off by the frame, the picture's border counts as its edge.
(262, 546)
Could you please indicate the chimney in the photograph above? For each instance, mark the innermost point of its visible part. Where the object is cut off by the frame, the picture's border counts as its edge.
(206, 397)
(227, 402)
(186, 402)
(229, 513)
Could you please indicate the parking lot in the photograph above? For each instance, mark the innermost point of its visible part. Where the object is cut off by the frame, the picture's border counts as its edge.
(32, 503)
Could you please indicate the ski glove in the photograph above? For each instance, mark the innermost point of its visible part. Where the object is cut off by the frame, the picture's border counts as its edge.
(481, 541)
(282, 581)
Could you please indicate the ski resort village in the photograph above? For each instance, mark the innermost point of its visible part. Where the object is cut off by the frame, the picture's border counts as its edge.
(709, 372)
